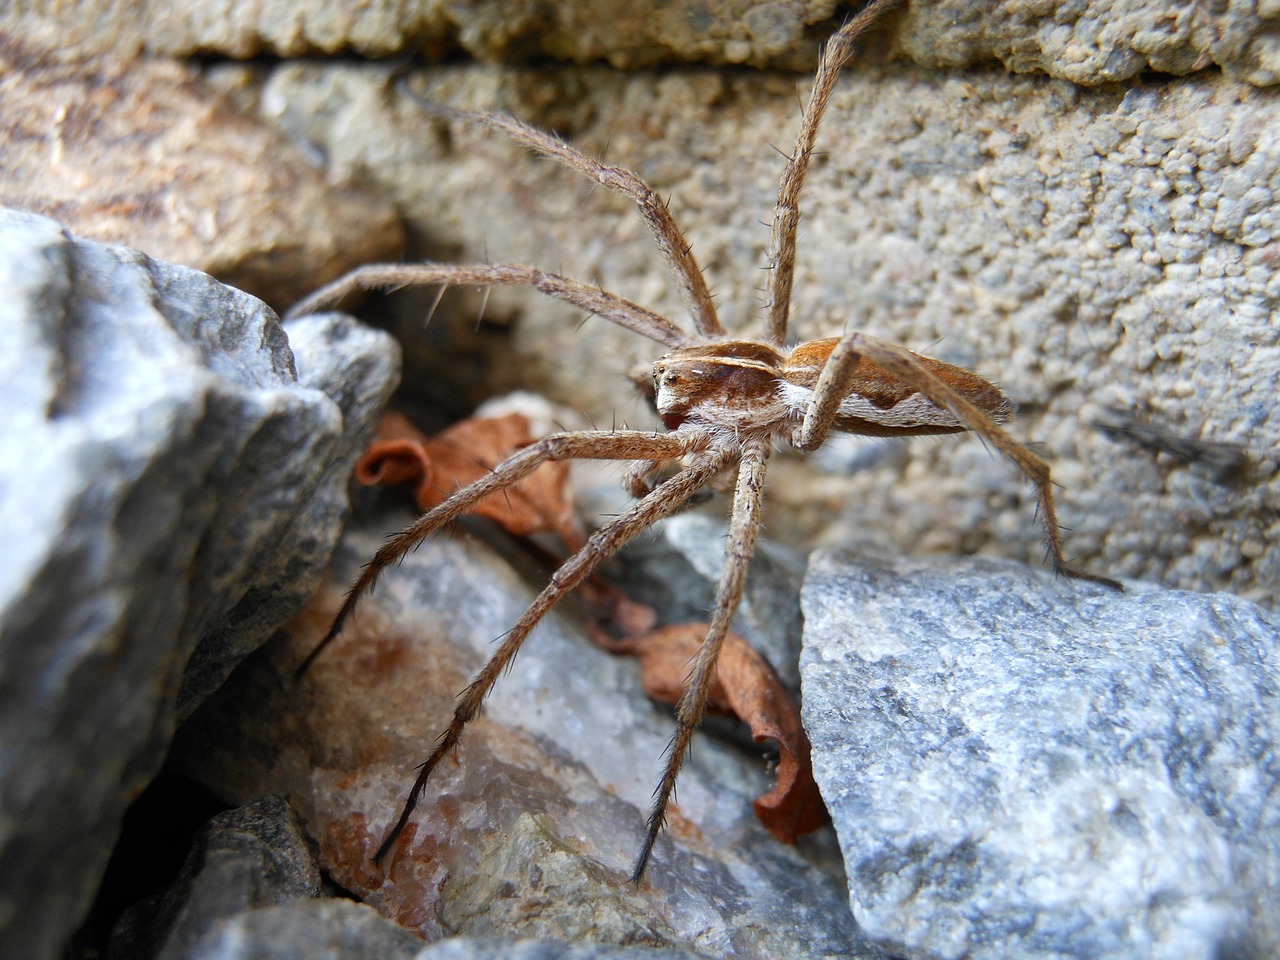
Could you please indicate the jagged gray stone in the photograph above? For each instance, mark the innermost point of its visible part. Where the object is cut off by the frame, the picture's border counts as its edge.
(244, 859)
(532, 832)
(327, 929)
(164, 477)
(1023, 766)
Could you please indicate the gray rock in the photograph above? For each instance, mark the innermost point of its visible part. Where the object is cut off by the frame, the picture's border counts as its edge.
(532, 833)
(244, 859)
(342, 930)
(356, 368)
(1019, 766)
(466, 948)
(164, 477)
(311, 929)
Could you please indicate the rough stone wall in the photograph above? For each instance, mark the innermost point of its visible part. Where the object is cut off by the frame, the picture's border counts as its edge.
(1094, 245)
(1085, 41)
(1087, 248)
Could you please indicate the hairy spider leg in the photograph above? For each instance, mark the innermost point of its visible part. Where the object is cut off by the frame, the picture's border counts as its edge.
(786, 214)
(744, 529)
(900, 362)
(582, 445)
(668, 497)
(675, 249)
(376, 276)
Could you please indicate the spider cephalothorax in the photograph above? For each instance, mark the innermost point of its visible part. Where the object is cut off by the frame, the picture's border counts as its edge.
(726, 402)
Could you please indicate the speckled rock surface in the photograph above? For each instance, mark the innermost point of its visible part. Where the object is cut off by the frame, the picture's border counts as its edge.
(1086, 249)
(1089, 42)
(326, 928)
(143, 153)
(342, 930)
(533, 832)
(1098, 41)
(1025, 767)
(626, 35)
(171, 485)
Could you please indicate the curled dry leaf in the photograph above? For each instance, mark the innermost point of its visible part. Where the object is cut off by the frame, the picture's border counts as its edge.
(746, 687)
(438, 466)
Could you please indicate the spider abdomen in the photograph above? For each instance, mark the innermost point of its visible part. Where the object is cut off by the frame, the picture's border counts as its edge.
(877, 403)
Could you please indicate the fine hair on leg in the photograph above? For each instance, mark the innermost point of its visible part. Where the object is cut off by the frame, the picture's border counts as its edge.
(583, 445)
(744, 529)
(665, 499)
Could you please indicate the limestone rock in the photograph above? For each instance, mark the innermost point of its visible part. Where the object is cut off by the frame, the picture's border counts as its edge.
(245, 859)
(1025, 767)
(533, 831)
(164, 473)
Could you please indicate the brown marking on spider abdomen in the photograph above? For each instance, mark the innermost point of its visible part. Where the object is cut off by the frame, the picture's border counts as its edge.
(879, 404)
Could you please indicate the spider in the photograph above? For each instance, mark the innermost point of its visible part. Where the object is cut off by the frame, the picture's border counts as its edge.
(725, 403)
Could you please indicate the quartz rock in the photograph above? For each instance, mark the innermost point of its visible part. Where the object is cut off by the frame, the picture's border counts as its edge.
(1023, 766)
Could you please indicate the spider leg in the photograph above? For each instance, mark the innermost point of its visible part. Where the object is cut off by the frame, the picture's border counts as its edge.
(606, 541)
(743, 530)
(786, 214)
(671, 241)
(623, 312)
(906, 366)
(581, 445)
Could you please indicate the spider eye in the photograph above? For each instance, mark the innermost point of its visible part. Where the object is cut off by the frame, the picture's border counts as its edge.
(664, 376)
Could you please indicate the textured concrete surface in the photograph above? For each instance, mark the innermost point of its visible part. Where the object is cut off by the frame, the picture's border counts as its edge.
(1088, 42)
(1086, 249)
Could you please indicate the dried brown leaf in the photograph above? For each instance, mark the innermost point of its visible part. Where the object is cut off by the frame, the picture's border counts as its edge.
(746, 687)
(439, 466)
